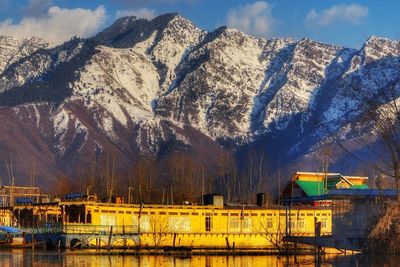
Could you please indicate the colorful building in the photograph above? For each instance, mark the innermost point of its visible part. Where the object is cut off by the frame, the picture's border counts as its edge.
(305, 184)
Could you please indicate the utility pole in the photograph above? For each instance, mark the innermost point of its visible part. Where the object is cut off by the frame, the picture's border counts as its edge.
(140, 194)
(202, 187)
(172, 196)
(129, 194)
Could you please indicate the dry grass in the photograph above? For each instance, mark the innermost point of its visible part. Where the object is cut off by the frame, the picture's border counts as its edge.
(385, 236)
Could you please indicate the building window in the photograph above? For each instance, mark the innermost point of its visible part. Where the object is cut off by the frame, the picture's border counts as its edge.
(208, 223)
(297, 192)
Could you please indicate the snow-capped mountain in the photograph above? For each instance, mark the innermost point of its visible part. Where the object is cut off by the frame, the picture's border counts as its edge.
(155, 86)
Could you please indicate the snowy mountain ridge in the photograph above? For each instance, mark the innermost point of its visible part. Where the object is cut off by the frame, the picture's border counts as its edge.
(141, 85)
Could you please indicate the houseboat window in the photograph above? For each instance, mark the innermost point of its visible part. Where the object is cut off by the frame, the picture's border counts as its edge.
(208, 223)
(253, 214)
(129, 212)
(179, 224)
(269, 223)
(246, 223)
(96, 210)
(234, 214)
(309, 214)
(89, 217)
(145, 223)
(269, 214)
(234, 223)
(324, 223)
(162, 213)
(173, 213)
(224, 214)
(300, 223)
(184, 213)
(195, 213)
(120, 211)
(291, 224)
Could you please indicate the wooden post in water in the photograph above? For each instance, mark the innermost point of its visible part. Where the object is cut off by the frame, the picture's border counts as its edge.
(227, 244)
(109, 237)
(33, 243)
(173, 244)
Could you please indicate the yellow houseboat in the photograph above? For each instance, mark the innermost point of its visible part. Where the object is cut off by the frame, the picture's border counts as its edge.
(208, 226)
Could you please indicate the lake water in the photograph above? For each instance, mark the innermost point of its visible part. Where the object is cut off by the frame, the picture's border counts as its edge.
(48, 258)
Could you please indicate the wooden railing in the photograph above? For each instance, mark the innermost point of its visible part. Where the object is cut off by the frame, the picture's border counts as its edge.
(99, 229)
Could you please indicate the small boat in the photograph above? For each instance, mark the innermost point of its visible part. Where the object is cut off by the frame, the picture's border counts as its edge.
(11, 237)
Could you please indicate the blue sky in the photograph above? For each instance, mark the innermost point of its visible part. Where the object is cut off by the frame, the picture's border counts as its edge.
(346, 23)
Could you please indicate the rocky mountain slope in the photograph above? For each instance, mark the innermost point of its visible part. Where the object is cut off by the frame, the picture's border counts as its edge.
(153, 87)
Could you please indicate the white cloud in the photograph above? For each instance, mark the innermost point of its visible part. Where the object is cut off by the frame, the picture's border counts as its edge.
(144, 13)
(137, 3)
(37, 7)
(255, 18)
(352, 13)
(58, 24)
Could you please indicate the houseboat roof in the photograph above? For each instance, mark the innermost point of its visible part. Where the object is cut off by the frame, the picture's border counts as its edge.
(160, 206)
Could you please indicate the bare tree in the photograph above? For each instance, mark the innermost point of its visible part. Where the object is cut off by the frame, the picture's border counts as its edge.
(89, 175)
(109, 175)
(254, 175)
(145, 174)
(325, 157)
(381, 115)
(32, 174)
(185, 177)
(227, 175)
(273, 234)
(157, 229)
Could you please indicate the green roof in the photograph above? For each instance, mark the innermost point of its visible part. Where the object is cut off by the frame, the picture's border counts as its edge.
(311, 188)
(332, 182)
(360, 186)
(315, 188)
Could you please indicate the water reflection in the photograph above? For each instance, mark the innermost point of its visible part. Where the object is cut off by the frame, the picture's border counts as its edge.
(45, 258)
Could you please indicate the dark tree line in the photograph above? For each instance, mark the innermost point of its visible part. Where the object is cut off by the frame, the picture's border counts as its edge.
(176, 178)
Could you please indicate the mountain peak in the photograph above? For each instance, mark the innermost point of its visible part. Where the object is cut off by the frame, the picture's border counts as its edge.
(127, 31)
